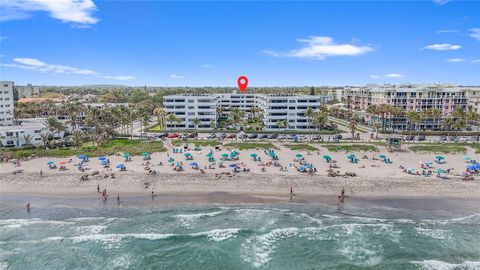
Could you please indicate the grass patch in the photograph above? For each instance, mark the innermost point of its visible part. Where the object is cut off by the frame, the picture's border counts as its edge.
(134, 147)
(300, 147)
(476, 147)
(351, 148)
(438, 148)
(249, 145)
(196, 143)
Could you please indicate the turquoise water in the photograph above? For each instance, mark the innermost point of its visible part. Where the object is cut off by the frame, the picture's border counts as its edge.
(87, 235)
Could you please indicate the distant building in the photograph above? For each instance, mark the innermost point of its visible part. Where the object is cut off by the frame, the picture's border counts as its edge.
(26, 91)
(25, 132)
(189, 107)
(6, 103)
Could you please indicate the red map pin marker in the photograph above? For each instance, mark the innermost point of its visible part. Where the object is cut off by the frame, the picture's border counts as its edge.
(242, 83)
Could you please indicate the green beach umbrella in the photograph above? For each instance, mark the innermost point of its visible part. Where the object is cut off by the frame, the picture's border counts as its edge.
(253, 155)
(126, 155)
(224, 155)
(187, 154)
(298, 155)
(171, 159)
(382, 156)
(209, 154)
(439, 157)
(439, 171)
(145, 154)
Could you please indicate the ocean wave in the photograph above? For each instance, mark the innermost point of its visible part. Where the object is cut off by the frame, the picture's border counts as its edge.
(467, 219)
(441, 265)
(91, 229)
(188, 219)
(434, 233)
(218, 235)
(26, 222)
(257, 250)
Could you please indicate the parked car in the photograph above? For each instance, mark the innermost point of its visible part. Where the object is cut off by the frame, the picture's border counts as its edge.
(453, 138)
(410, 138)
(273, 136)
(263, 136)
(172, 135)
(162, 135)
(252, 136)
(211, 136)
(337, 137)
(282, 137)
(442, 138)
(464, 139)
(221, 136)
(232, 136)
(421, 138)
(317, 138)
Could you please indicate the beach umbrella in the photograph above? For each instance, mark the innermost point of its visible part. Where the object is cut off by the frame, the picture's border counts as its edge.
(351, 156)
(104, 162)
(209, 154)
(82, 157)
(253, 155)
(102, 158)
(232, 165)
(120, 166)
(50, 163)
(187, 154)
(440, 171)
(62, 162)
(171, 159)
(440, 157)
(298, 155)
(224, 155)
(301, 168)
(472, 167)
(382, 156)
(467, 158)
(145, 154)
(126, 155)
(327, 157)
(428, 162)
(193, 164)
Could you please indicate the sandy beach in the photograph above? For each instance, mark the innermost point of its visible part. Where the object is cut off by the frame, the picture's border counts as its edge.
(374, 177)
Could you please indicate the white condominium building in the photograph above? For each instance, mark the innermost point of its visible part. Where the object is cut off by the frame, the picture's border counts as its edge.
(6, 103)
(189, 107)
(291, 108)
(25, 132)
(208, 108)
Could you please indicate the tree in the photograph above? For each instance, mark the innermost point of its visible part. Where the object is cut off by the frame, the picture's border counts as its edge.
(319, 120)
(145, 121)
(415, 118)
(196, 122)
(160, 113)
(312, 91)
(353, 127)
(459, 124)
(236, 118)
(171, 118)
(447, 123)
(46, 137)
(309, 114)
(376, 126)
(282, 124)
(53, 125)
(77, 137)
(27, 139)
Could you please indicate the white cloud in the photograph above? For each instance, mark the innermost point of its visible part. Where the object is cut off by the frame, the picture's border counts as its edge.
(455, 60)
(394, 75)
(475, 33)
(173, 76)
(208, 66)
(441, 2)
(476, 61)
(120, 78)
(443, 47)
(374, 76)
(73, 11)
(37, 65)
(317, 47)
(446, 31)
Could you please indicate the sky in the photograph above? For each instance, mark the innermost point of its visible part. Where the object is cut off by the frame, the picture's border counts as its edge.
(212, 43)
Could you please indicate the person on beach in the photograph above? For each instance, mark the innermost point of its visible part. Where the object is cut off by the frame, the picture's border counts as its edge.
(118, 198)
(41, 173)
(98, 188)
(341, 198)
(29, 207)
(291, 190)
(153, 195)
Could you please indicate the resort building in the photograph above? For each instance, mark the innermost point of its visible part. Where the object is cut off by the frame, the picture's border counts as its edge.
(189, 107)
(211, 108)
(25, 132)
(291, 108)
(26, 91)
(6, 103)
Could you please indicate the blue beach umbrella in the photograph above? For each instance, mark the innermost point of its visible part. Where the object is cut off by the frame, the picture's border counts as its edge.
(193, 164)
(50, 163)
(103, 162)
(82, 157)
(232, 165)
(120, 166)
(102, 158)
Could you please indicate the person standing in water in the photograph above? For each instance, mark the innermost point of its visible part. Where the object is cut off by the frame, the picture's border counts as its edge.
(29, 207)
(118, 198)
(291, 190)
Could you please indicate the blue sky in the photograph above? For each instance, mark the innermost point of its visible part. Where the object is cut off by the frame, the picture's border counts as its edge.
(159, 43)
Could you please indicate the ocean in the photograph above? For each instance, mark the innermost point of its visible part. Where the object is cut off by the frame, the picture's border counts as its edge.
(86, 234)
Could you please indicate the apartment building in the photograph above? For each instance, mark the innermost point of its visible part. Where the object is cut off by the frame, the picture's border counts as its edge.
(291, 108)
(473, 98)
(189, 107)
(210, 108)
(6, 103)
(26, 91)
(25, 132)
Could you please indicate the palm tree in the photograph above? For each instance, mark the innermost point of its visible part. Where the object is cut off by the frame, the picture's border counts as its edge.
(435, 114)
(309, 114)
(471, 116)
(353, 127)
(414, 117)
(27, 139)
(196, 122)
(320, 119)
(171, 118)
(447, 123)
(459, 124)
(282, 124)
(46, 137)
(212, 124)
(53, 125)
(160, 113)
(236, 118)
(376, 126)
(145, 121)
(77, 137)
